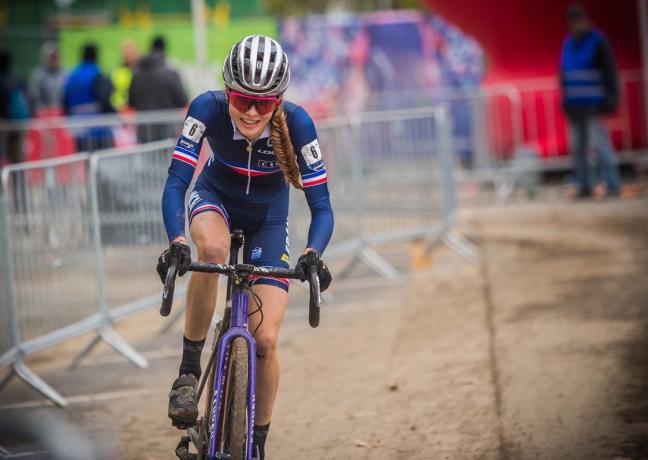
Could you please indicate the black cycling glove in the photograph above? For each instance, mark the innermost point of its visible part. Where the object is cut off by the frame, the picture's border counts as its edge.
(179, 250)
(323, 273)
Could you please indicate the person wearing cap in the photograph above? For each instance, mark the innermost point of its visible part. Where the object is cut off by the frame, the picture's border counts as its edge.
(261, 145)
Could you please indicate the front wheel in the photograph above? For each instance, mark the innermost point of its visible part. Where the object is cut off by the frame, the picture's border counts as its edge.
(234, 422)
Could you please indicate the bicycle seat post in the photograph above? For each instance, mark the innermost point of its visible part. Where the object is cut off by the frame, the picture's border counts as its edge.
(236, 242)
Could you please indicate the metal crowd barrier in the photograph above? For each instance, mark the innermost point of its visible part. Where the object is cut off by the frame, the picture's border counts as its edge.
(487, 130)
(129, 187)
(80, 234)
(55, 136)
(46, 219)
(391, 179)
(505, 135)
(545, 125)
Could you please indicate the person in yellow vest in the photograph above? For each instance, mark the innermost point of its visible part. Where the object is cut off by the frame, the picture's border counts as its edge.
(121, 77)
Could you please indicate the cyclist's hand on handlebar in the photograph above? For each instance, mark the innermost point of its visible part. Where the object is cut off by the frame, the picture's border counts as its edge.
(304, 261)
(165, 260)
(323, 273)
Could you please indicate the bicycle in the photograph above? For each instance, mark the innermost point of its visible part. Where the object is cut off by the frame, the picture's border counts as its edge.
(225, 430)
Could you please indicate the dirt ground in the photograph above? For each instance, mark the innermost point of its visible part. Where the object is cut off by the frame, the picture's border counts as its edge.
(537, 351)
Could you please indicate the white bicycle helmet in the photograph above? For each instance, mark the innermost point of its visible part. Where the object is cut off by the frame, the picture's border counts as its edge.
(258, 66)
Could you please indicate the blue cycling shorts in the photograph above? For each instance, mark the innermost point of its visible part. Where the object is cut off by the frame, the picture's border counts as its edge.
(264, 225)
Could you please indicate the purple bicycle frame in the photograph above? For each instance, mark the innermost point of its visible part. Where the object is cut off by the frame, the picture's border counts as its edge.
(238, 328)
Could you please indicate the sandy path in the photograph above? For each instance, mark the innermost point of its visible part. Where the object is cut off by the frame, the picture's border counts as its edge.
(538, 352)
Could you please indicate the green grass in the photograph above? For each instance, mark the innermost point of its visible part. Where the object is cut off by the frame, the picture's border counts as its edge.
(179, 38)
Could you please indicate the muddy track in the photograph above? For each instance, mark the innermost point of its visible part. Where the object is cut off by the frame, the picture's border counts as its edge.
(538, 352)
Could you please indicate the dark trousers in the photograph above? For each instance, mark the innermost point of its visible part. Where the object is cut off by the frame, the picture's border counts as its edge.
(588, 136)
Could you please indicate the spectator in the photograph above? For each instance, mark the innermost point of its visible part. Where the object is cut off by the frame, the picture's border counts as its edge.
(123, 75)
(13, 103)
(45, 88)
(87, 92)
(13, 106)
(589, 83)
(156, 86)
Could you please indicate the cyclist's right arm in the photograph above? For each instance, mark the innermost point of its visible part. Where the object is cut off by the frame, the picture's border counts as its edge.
(183, 165)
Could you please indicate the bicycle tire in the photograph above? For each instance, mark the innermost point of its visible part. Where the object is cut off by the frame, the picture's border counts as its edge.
(204, 433)
(219, 330)
(234, 420)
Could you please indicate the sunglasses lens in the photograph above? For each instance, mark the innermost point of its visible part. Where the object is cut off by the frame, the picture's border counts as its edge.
(240, 103)
(243, 103)
(265, 106)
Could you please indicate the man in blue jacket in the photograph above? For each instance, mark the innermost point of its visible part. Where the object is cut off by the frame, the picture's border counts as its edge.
(87, 92)
(590, 90)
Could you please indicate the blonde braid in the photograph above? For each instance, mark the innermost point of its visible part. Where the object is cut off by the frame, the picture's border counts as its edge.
(283, 148)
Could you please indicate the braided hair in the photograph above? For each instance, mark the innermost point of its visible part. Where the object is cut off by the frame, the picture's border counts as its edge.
(283, 148)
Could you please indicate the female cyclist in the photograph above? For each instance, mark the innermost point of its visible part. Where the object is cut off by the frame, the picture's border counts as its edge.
(260, 144)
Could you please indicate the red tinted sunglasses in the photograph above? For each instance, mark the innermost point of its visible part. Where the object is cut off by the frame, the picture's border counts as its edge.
(243, 102)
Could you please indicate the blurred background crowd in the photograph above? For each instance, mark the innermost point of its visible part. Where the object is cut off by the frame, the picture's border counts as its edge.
(83, 58)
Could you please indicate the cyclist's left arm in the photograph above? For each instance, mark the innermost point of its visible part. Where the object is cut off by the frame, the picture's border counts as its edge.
(313, 173)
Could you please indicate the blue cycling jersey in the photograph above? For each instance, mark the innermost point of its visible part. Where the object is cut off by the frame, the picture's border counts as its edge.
(245, 172)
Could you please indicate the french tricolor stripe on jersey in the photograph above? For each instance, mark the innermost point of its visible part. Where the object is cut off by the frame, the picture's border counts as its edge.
(316, 178)
(284, 281)
(186, 156)
(253, 172)
(209, 207)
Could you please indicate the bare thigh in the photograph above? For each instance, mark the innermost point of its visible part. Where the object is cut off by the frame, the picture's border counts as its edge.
(211, 236)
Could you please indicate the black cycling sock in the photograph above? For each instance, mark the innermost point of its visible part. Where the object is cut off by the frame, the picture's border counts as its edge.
(191, 351)
(259, 439)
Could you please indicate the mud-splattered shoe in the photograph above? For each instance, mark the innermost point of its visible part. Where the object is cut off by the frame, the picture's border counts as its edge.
(183, 409)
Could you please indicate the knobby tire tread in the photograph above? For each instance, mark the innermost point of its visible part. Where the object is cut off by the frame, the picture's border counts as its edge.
(219, 330)
(235, 404)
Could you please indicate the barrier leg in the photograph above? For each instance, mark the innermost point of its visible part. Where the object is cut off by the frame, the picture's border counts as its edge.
(459, 244)
(456, 242)
(364, 254)
(121, 346)
(86, 351)
(349, 267)
(7, 379)
(433, 244)
(105, 330)
(35, 381)
(109, 336)
(504, 188)
(378, 263)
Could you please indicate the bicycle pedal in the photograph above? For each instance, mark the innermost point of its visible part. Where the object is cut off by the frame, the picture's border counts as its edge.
(182, 450)
(193, 435)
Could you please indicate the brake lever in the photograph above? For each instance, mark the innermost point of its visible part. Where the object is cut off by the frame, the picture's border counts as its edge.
(315, 294)
(169, 288)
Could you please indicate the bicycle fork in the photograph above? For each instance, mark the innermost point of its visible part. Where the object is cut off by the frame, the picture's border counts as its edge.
(238, 329)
